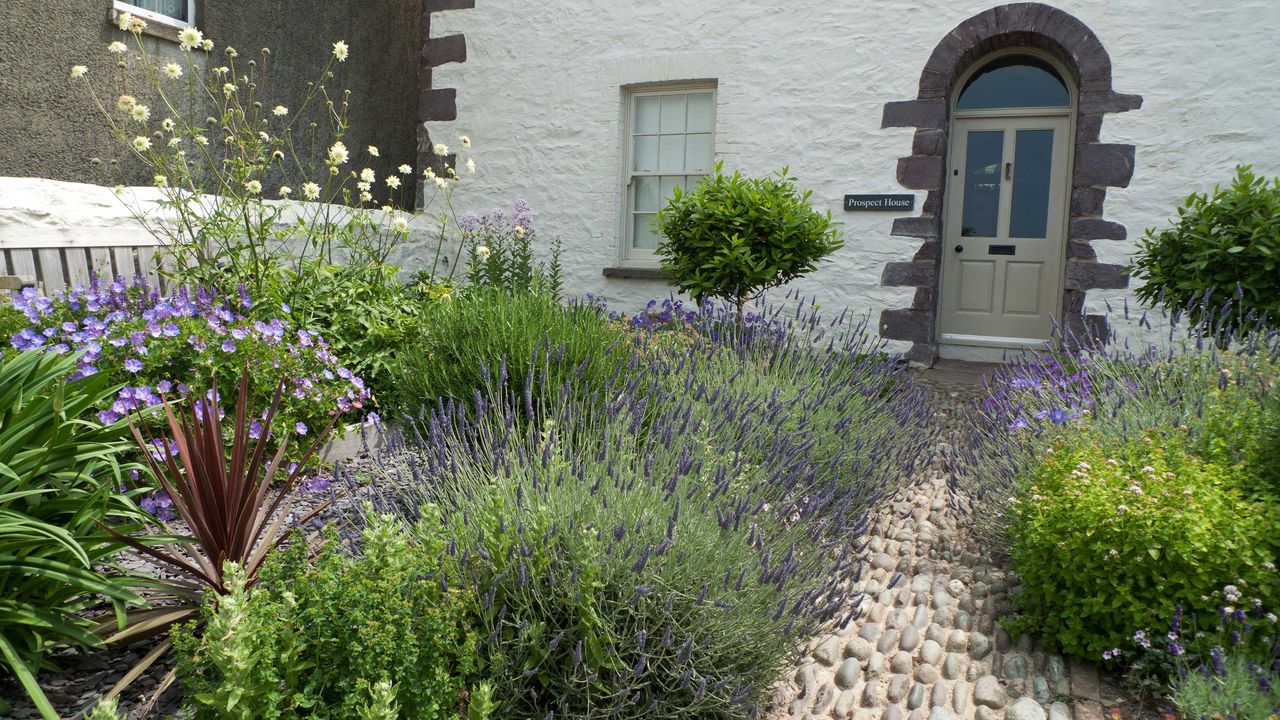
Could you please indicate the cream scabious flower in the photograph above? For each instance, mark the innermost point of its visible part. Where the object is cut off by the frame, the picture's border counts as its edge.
(279, 111)
(401, 224)
(190, 38)
(119, 189)
(429, 173)
(221, 70)
(123, 20)
(367, 175)
(118, 48)
(125, 103)
(140, 112)
(173, 71)
(160, 181)
(311, 190)
(482, 252)
(78, 71)
(519, 231)
(141, 143)
(168, 124)
(362, 185)
(340, 51)
(393, 181)
(253, 186)
(338, 153)
(373, 150)
(405, 169)
(442, 183)
(229, 89)
(441, 149)
(206, 45)
(466, 141)
(202, 140)
(365, 197)
(173, 141)
(285, 191)
(471, 165)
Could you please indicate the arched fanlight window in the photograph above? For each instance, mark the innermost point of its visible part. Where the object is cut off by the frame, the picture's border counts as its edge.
(1014, 81)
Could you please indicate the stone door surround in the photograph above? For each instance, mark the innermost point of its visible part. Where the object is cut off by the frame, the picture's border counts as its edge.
(1097, 165)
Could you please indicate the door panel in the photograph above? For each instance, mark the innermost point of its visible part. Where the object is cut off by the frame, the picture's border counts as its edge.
(976, 284)
(1004, 230)
(1021, 288)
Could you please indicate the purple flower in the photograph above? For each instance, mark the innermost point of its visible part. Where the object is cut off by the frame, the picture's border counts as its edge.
(133, 365)
(228, 345)
(164, 386)
(255, 430)
(300, 428)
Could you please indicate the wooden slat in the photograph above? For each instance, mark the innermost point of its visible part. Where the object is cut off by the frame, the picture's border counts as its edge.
(51, 270)
(126, 265)
(78, 266)
(100, 263)
(4, 262)
(22, 262)
(150, 268)
(16, 238)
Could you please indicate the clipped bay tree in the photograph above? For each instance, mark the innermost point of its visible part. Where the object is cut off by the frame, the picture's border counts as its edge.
(734, 237)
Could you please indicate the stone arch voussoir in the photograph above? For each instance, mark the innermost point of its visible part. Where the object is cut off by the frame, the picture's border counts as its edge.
(436, 104)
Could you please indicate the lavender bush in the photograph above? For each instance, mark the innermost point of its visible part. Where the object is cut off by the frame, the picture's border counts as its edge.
(661, 547)
(1225, 398)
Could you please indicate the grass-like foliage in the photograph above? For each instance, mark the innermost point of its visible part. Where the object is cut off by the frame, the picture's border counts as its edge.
(1220, 259)
(371, 635)
(659, 549)
(1238, 689)
(486, 336)
(1123, 483)
(60, 477)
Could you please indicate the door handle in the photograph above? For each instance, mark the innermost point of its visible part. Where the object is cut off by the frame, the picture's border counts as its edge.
(959, 248)
(1008, 171)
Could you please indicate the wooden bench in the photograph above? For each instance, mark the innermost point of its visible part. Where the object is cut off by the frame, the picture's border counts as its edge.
(52, 260)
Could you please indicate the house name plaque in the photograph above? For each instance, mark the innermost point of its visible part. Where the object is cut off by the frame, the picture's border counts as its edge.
(900, 203)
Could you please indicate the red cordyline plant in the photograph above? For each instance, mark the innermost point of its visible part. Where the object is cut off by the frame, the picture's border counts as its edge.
(223, 498)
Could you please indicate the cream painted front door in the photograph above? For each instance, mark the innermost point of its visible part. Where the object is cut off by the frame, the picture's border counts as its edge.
(1004, 231)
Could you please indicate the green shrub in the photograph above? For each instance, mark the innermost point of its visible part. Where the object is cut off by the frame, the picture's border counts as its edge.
(733, 237)
(463, 343)
(376, 635)
(1224, 245)
(1109, 535)
(59, 478)
(364, 312)
(1242, 430)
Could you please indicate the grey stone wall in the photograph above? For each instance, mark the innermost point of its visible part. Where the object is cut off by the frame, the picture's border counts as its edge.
(49, 128)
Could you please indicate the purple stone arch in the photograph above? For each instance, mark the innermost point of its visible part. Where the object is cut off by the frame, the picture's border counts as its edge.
(1097, 165)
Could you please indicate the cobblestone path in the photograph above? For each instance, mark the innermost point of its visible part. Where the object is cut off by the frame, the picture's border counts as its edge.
(927, 644)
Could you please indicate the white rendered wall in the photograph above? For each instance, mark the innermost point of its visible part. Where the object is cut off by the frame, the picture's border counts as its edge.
(803, 84)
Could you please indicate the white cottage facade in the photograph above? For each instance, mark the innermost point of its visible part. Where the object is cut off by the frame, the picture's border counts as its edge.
(1035, 142)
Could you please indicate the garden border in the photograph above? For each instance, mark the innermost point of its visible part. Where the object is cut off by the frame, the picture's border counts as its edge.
(1097, 165)
(436, 104)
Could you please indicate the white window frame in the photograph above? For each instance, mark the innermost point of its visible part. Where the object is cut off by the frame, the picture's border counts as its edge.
(122, 6)
(628, 254)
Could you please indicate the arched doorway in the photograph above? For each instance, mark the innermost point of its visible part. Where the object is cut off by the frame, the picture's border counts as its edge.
(1005, 218)
(1057, 39)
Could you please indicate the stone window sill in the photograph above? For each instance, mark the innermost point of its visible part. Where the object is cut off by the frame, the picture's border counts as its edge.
(154, 28)
(632, 272)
